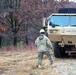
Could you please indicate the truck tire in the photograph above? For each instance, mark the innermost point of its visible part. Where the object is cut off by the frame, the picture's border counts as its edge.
(63, 49)
(57, 52)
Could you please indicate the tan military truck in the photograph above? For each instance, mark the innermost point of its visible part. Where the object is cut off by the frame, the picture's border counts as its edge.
(61, 29)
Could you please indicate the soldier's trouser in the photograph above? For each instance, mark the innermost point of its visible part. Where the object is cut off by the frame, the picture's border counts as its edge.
(40, 57)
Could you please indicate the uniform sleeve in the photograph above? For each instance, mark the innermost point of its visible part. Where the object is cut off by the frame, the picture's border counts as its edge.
(36, 42)
(49, 43)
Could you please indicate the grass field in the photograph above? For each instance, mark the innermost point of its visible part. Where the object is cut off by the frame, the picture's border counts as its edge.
(23, 62)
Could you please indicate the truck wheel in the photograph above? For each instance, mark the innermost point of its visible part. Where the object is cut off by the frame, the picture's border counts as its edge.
(63, 49)
(57, 52)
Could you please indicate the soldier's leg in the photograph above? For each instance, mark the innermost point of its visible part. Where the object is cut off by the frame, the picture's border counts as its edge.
(40, 57)
(48, 53)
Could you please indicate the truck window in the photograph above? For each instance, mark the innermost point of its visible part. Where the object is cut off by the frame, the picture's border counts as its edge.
(57, 20)
(73, 20)
(62, 20)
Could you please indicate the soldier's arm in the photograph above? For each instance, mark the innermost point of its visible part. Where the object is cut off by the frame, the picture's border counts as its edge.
(49, 43)
(36, 42)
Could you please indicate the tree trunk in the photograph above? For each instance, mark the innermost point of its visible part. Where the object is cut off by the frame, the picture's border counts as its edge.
(26, 40)
(15, 41)
(26, 37)
(0, 41)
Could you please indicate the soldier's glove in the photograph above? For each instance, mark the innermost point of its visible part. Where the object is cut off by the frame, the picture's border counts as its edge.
(36, 45)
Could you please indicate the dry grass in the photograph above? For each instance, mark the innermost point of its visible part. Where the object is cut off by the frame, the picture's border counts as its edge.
(22, 62)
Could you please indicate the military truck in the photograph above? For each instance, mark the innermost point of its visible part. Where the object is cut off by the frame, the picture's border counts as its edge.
(61, 29)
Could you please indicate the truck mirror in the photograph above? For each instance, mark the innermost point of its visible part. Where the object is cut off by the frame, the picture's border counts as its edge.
(44, 27)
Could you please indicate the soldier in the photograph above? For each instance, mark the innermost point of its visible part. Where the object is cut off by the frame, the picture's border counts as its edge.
(44, 45)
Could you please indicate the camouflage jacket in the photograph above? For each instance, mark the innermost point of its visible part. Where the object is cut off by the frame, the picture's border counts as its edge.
(43, 44)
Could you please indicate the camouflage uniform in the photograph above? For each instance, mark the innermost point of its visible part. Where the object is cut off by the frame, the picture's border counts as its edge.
(44, 45)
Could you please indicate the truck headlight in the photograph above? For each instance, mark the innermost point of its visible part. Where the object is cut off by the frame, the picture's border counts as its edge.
(53, 31)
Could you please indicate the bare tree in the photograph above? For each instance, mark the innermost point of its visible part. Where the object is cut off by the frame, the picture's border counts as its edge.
(12, 16)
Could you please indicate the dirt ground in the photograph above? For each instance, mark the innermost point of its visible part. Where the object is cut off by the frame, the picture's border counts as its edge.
(23, 63)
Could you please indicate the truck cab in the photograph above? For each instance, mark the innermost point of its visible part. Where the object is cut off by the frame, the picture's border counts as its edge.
(61, 29)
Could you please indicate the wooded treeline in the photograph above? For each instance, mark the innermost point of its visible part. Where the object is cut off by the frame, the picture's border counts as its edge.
(21, 20)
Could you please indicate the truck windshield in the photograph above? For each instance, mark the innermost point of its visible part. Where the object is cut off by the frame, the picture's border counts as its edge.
(62, 20)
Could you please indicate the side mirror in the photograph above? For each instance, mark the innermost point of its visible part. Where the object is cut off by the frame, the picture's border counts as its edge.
(44, 27)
